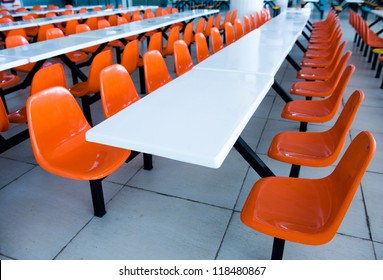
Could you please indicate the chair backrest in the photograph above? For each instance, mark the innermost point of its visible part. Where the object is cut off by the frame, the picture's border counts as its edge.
(200, 27)
(53, 33)
(117, 89)
(113, 20)
(229, 34)
(18, 31)
(155, 42)
(71, 27)
(253, 24)
(136, 17)
(217, 21)
(174, 35)
(216, 40)
(156, 71)
(100, 61)
(48, 112)
(130, 56)
(102, 23)
(14, 41)
(92, 23)
(4, 122)
(182, 59)
(233, 16)
(238, 28)
(188, 33)
(209, 25)
(339, 69)
(342, 184)
(246, 24)
(47, 77)
(149, 14)
(339, 131)
(41, 35)
(333, 102)
(201, 47)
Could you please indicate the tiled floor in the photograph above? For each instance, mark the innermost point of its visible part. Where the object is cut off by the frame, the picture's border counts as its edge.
(178, 210)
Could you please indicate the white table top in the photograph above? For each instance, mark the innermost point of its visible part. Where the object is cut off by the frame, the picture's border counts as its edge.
(378, 13)
(7, 62)
(64, 18)
(194, 122)
(142, 26)
(49, 48)
(261, 51)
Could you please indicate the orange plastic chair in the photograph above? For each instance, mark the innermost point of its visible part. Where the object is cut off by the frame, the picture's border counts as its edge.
(83, 27)
(92, 86)
(83, 10)
(70, 27)
(238, 28)
(18, 31)
(233, 16)
(319, 111)
(60, 147)
(155, 42)
(226, 19)
(45, 78)
(322, 88)
(209, 25)
(202, 49)
(174, 35)
(7, 80)
(131, 60)
(42, 34)
(308, 211)
(324, 59)
(246, 24)
(229, 34)
(216, 40)
(311, 74)
(188, 34)
(253, 24)
(92, 23)
(156, 71)
(182, 59)
(316, 149)
(117, 90)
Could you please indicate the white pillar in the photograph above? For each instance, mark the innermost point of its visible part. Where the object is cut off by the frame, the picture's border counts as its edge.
(246, 7)
(283, 4)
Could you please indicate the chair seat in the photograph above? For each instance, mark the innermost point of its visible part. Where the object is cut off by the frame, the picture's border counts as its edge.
(8, 79)
(19, 116)
(77, 56)
(308, 111)
(312, 89)
(80, 89)
(81, 160)
(312, 74)
(314, 149)
(316, 62)
(293, 209)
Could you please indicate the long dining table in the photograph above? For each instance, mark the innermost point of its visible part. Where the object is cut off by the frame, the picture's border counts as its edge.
(199, 117)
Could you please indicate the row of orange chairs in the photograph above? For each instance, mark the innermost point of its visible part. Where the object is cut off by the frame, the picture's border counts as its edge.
(304, 210)
(369, 41)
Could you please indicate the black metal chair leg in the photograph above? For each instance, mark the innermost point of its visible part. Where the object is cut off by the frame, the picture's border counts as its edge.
(278, 247)
(97, 197)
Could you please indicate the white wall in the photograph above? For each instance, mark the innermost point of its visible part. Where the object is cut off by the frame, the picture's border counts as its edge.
(246, 7)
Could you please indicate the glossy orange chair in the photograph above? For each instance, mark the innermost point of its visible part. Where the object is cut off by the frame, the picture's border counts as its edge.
(117, 89)
(218, 24)
(308, 211)
(7, 80)
(174, 35)
(324, 59)
(131, 60)
(316, 149)
(208, 26)
(42, 34)
(238, 28)
(88, 91)
(182, 59)
(322, 88)
(233, 16)
(253, 24)
(201, 47)
(116, 44)
(156, 71)
(216, 40)
(319, 111)
(60, 147)
(229, 34)
(188, 34)
(246, 24)
(324, 73)
(45, 78)
(70, 27)
(4, 122)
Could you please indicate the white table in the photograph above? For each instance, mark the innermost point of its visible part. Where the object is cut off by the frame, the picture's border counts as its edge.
(7, 62)
(264, 49)
(196, 118)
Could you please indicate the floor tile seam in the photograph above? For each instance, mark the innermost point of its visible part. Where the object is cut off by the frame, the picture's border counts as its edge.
(18, 177)
(177, 197)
